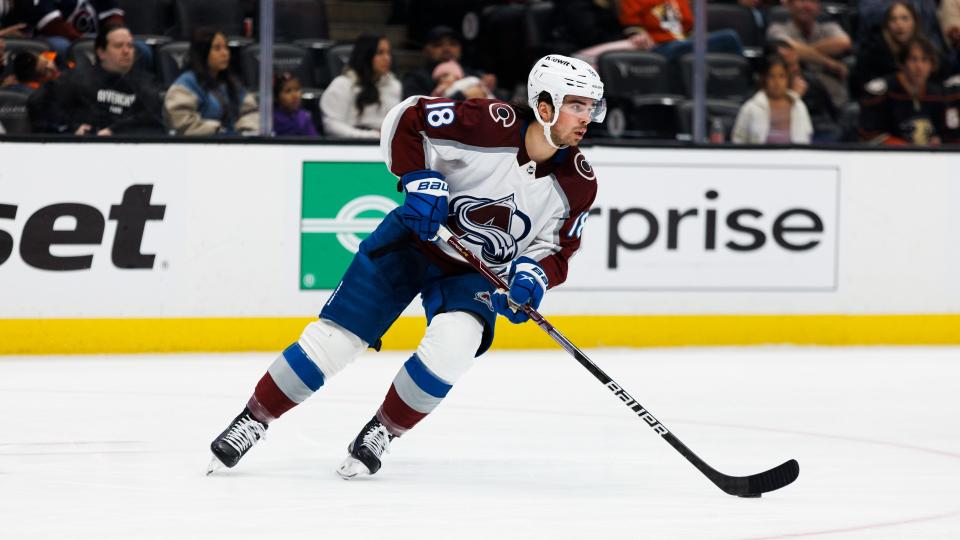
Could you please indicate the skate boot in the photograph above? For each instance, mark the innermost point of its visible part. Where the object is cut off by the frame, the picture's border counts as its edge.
(365, 450)
(235, 441)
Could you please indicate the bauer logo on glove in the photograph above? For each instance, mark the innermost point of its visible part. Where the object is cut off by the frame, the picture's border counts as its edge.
(425, 206)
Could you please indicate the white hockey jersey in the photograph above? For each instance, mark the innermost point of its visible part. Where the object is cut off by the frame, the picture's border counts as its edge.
(502, 204)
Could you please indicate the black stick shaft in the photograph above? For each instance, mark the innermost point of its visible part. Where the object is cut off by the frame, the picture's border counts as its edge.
(750, 486)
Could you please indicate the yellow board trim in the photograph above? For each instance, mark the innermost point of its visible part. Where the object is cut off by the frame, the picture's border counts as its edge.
(95, 336)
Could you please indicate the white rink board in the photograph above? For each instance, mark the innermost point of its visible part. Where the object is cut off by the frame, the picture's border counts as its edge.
(229, 241)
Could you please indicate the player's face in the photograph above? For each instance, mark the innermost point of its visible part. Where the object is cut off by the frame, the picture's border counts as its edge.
(382, 59)
(290, 95)
(901, 23)
(117, 57)
(219, 58)
(572, 123)
(918, 66)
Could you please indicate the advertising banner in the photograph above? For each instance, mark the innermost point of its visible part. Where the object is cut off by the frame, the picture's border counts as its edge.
(712, 227)
(342, 203)
(111, 243)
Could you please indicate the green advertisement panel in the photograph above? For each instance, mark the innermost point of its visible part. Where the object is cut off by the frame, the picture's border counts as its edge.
(343, 202)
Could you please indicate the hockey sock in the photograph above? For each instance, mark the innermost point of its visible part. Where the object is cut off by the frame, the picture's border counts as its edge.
(292, 378)
(416, 391)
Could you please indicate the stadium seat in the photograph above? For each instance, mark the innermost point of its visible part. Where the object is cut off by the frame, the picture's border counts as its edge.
(741, 20)
(13, 112)
(543, 32)
(172, 60)
(148, 17)
(502, 43)
(81, 53)
(651, 117)
(728, 76)
(337, 58)
(286, 57)
(724, 110)
(777, 14)
(636, 85)
(224, 15)
(301, 20)
(15, 45)
(318, 52)
(626, 73)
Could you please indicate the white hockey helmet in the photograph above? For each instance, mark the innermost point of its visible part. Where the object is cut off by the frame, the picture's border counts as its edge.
(562, 76)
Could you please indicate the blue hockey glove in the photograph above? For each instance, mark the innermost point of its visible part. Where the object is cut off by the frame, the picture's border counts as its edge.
(527, 283)
(425, 206)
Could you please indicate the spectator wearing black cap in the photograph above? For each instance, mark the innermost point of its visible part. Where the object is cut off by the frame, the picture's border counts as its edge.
(442, 45)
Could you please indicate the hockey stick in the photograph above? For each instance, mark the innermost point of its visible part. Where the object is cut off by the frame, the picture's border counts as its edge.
(741, 486)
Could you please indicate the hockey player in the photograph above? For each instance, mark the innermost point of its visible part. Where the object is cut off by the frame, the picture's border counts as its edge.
(510, 183)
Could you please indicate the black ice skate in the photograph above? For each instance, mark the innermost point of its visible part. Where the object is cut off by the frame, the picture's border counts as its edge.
(235, 441)
(365, 450)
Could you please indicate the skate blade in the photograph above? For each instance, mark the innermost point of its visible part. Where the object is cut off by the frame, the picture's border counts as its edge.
(352, 468)
(214, 466)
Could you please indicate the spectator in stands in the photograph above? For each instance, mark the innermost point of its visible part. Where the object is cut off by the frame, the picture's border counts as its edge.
(663, 27)
(443, 44)
(452, 83)
(950, 23)
(818, 44)
(56, 21)
(207, 99)
(356, 102)
(29, 72)
(878, 53)
(823, 113)
(872, 15)
(110, 99)
(14, 30)
(775, 114)
(907, 108)
(288, 116)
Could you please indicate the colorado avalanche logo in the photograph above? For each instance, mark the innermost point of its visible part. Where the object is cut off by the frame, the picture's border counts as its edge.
(484, 298)
(495, 225)
(584, 168)
(503, 114)
(84, 19)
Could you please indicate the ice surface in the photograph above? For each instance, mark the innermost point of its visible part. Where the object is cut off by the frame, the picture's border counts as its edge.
(527, 445)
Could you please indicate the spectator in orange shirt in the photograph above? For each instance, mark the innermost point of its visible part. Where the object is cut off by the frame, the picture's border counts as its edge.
(663, 26)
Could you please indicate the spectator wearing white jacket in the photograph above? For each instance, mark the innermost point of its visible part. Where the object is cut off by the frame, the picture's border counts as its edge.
(775, 114)
(355, 103)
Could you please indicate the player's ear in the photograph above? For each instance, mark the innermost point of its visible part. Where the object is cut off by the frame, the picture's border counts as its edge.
(545, 110)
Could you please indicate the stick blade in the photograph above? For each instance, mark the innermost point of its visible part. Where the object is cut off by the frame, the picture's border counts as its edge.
(757, 484)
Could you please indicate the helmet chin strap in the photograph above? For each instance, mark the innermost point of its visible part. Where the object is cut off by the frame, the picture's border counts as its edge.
(546, 130)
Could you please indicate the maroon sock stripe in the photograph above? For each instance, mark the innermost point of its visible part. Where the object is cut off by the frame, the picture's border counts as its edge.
(397, 415)
(271, 398)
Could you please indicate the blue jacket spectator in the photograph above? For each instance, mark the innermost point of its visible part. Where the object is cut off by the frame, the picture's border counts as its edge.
(207, 100)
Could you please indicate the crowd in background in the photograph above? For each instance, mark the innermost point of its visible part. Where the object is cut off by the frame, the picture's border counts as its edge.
(886, 72)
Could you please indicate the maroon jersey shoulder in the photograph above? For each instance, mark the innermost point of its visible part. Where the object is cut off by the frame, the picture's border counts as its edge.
(486, 123)
(578, 180)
